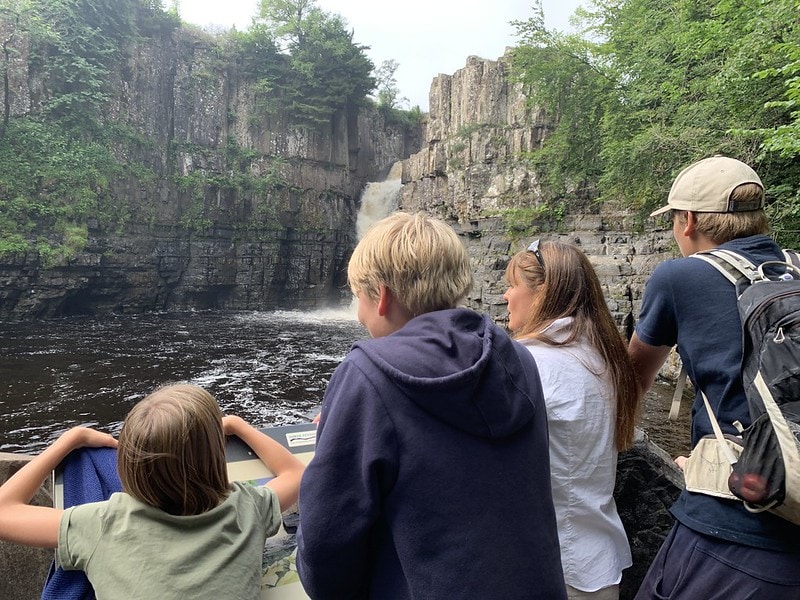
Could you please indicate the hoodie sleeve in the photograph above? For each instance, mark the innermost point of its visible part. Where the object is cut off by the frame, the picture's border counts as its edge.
(353, 468)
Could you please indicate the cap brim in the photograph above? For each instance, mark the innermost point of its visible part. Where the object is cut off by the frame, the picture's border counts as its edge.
(660, 211)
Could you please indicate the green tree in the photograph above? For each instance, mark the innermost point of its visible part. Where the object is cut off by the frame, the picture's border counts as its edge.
(660, 84)
(261, 62)
(566, 76)
(287, 19)
(78, 61)
(327, 71)
(784, 138)
(388, 93)
(685, 70)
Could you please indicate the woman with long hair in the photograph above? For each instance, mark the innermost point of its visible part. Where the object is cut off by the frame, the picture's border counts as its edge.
(557, 310)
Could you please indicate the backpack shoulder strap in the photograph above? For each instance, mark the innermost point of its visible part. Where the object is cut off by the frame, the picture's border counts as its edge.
(677, 395)
(733, 266)
(791, 257)
(726, 451)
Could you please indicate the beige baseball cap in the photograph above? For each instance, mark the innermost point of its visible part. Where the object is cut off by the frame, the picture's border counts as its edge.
(706, 186)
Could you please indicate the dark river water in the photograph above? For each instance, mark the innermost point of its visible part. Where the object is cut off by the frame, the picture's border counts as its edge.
(270, 368)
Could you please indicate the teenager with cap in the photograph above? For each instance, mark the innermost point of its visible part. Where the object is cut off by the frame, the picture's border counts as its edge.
(717, 549)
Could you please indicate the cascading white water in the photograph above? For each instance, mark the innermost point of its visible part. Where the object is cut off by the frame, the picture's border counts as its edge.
(378, 199)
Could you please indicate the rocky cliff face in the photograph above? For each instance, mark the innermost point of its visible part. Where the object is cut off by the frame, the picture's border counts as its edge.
(472, 172)
(237, 210)
(249, 211)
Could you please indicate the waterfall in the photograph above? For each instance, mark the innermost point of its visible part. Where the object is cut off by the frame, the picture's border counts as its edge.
(378, 199)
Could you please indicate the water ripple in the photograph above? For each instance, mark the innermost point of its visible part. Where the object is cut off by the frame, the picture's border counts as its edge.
(269, 367)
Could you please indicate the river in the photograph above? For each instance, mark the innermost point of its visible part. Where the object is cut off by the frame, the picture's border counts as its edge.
(270, 368)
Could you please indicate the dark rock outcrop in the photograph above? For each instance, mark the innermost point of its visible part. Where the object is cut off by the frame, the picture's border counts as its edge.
(648, 482)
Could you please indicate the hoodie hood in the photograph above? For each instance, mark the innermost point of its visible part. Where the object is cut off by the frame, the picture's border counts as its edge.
(460, 367)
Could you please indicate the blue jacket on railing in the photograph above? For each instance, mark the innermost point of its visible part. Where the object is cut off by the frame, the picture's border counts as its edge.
(89, 475)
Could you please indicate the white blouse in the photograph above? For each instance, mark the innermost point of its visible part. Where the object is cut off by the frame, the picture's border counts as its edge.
(581, 412)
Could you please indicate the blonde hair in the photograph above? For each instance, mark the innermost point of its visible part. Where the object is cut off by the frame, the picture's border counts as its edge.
(419, 258)
(171, 451)
(725, 226)
(567, 286)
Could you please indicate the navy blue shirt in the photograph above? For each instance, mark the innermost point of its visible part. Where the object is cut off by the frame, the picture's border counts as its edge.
(689, 303)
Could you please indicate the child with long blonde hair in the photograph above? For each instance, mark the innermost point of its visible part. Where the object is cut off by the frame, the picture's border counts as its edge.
(179, 529)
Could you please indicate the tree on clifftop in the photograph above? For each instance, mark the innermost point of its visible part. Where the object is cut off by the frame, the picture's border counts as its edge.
(326, 70)
(388, 93)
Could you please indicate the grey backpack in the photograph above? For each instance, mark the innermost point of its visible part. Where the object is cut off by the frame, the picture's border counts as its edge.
(761, 467)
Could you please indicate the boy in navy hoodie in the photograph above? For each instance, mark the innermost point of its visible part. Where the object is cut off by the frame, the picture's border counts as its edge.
(431, 476)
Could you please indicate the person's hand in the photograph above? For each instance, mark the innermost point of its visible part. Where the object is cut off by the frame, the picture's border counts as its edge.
(680, 461)
(315, 420)
(84, 437)
(231, 424)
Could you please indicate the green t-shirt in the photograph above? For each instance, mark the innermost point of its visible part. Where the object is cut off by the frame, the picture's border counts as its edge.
(131, 550)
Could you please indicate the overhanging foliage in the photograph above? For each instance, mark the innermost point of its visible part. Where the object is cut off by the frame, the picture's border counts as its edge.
(646, 87)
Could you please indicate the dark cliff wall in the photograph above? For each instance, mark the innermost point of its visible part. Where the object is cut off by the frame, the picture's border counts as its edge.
(234, 208)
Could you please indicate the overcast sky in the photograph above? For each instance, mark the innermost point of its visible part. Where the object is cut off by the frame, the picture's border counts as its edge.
(425, 37)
